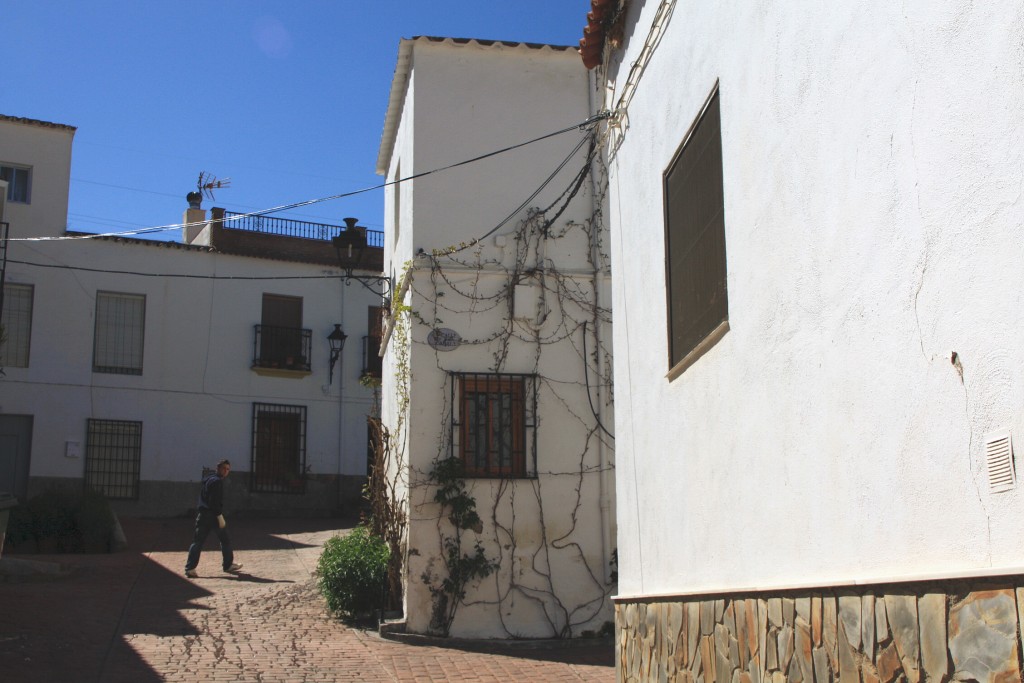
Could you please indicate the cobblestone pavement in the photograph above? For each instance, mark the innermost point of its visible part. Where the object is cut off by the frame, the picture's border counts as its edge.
(132, 616)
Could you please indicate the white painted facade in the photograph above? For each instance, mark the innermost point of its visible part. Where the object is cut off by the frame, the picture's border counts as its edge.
(551, 532)
(873, 172)
(197, 389)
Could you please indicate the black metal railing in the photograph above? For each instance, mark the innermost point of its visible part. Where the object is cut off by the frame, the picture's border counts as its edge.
(287, 227)
(287, 348)
(372, 362)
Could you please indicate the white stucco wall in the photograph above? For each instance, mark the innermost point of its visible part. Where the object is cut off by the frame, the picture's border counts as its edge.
(464, 100)
(196, 392)
(46, 150)
(873, 176)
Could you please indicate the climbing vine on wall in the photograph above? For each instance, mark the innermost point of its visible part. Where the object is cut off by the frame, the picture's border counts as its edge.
(477, 283)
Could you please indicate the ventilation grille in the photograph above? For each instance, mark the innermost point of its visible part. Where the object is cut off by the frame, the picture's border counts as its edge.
(999, 461)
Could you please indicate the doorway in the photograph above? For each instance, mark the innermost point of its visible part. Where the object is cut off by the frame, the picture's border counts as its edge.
(15, 453)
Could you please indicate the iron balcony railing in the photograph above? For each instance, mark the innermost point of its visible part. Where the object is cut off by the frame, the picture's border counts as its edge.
(286, 227)
(287, 348)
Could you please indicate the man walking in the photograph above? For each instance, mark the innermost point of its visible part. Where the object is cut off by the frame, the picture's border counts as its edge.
(211, 518)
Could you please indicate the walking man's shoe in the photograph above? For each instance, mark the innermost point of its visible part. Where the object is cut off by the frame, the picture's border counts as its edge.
(234, 569)
(192, 573)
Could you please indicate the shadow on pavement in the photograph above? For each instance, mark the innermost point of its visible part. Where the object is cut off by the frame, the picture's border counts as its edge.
(175, 534)
(80, 626)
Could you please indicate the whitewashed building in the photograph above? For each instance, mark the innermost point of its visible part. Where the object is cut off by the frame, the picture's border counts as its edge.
(131, 364)
(816, 223)
(496, 392)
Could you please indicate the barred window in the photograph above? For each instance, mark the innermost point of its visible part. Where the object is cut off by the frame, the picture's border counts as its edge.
(698, 308)
(113, 457)
(493, 424)
(120, 331)
(278, 448)
(17, 324)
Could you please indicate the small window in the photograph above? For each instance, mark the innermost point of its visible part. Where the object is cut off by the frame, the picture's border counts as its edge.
(698, 308)
(278, 448)
(493, 423)
(18, 183)
(372, 362)
(120, 331)
(17, 326)
(113, 457)
(281, 341)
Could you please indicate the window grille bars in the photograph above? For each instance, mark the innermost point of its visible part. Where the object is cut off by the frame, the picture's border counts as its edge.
(493, 426)
(278, 448)
(113, 457)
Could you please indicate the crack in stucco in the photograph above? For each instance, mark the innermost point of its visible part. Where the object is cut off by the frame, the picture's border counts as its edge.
(958, 365)
(917, 313)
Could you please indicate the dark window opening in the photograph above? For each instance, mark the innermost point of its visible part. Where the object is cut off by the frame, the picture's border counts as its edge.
(372, 362)
(278, 448)
(698, 308)
(280, 340)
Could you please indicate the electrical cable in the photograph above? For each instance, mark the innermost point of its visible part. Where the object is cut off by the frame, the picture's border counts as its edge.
(176, 275)
(566, 160)
(586, 379)
(584, 125)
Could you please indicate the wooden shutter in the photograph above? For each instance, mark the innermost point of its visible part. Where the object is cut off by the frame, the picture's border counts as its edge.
(695, 237)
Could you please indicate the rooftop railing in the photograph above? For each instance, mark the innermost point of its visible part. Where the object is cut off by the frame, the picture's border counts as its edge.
(286, 227)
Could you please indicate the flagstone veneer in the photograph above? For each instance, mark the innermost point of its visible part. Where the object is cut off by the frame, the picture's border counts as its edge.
(954, 631)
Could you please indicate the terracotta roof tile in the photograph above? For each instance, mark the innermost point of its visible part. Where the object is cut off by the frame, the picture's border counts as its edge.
(592, 42)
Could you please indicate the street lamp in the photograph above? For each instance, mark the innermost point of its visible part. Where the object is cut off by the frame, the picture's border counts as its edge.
(337, 341)
(351, 246)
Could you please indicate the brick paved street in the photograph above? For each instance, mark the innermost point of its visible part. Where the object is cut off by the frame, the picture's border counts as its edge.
(132, 616)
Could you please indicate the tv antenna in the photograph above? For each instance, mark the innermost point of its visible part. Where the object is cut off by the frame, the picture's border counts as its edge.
(207, 183)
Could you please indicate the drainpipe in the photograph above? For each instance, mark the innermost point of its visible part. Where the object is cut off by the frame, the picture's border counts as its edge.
(341, 402)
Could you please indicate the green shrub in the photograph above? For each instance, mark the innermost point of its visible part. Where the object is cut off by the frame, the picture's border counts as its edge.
(94, 521)
(20, 532)
(62, 521)
(53, 520)
(351, 573)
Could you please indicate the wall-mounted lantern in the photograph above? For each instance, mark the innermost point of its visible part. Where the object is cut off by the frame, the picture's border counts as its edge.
(337, 341)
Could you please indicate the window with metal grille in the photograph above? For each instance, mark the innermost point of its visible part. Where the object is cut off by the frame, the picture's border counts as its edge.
(278, 448)
(18, 183)
(120, 331)
(698, 308)
(493, 422)
(17, 324)
(113, 457)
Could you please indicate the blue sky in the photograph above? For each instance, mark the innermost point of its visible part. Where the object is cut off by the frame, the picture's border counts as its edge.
(287, 99)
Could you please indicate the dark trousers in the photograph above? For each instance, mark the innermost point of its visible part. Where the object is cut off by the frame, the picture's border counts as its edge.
(206, 522)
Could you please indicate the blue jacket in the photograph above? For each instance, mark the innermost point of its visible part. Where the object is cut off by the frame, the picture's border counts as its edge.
(211, 497)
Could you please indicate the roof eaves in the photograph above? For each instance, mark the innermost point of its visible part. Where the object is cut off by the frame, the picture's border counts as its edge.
(124, 239)
(595, 32)
(37, 122)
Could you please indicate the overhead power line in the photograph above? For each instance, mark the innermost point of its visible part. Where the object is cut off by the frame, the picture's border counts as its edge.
(586, 125)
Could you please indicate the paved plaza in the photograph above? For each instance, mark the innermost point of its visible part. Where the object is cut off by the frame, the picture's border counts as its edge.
(132, 616)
